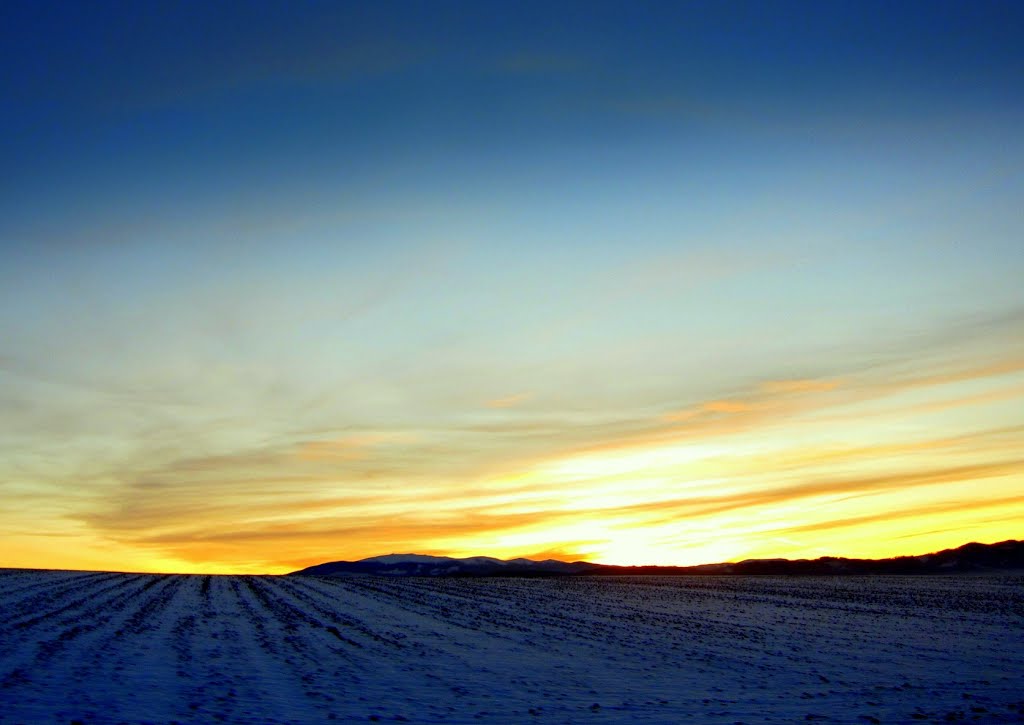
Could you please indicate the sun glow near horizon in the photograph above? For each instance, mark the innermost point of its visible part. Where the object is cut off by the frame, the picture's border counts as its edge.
(722, 489)
(285, 283)
(882, 465)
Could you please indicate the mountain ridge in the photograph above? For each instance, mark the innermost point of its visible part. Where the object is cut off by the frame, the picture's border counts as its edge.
(972, 557)
(425, 565)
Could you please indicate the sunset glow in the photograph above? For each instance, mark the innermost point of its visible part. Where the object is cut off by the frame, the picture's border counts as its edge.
(285, 283)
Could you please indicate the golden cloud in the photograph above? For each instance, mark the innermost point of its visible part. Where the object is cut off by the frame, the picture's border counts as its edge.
(509, 401)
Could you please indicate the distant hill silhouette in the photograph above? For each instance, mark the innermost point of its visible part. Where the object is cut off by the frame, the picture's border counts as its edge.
(421, 565)
(970, 558)
(973, 557)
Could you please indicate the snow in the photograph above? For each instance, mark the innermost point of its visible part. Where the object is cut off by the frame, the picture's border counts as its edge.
(102, 647)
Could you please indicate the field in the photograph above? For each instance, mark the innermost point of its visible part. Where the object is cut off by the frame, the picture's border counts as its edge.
(102, 647)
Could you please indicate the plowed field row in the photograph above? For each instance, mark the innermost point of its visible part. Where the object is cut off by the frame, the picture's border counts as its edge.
(100, 647)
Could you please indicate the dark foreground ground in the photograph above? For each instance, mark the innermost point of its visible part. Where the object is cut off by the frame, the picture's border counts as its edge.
(100, 647)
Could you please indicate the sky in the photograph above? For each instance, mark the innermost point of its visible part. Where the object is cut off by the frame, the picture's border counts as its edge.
(675, 283)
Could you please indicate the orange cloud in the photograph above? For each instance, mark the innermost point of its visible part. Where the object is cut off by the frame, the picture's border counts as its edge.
(509, 401)
(709, 505)
(569, 551)
(728, 406)
(771, 395)
(993, 369)
(946, 507)
(348, 448)
(810, 385)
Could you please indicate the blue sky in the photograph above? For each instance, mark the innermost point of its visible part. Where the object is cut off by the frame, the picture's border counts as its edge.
(400, 254)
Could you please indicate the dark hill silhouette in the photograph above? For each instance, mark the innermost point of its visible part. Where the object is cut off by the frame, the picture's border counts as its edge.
(421, 565)
(969, 558)
(1005, 556)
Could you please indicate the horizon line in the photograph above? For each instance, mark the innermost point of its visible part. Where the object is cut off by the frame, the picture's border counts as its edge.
(475, 556)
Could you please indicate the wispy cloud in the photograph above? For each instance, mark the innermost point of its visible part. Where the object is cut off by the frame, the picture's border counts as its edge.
(535, 478)
(509, 401)
(352, 447)
(774, 387)
(916, 511)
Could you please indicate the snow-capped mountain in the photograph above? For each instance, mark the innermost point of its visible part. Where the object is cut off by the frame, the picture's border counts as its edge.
(423, 565)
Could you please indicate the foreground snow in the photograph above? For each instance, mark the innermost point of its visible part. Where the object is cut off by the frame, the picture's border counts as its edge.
(101, 647)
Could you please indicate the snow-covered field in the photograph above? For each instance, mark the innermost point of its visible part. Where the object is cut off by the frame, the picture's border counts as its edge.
(98, 647)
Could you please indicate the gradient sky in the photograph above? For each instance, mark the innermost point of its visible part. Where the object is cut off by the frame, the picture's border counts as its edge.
(283, 283)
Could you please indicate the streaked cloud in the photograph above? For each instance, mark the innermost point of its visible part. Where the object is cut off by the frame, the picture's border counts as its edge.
(509, 401)
(799, 386)
(351, 447)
